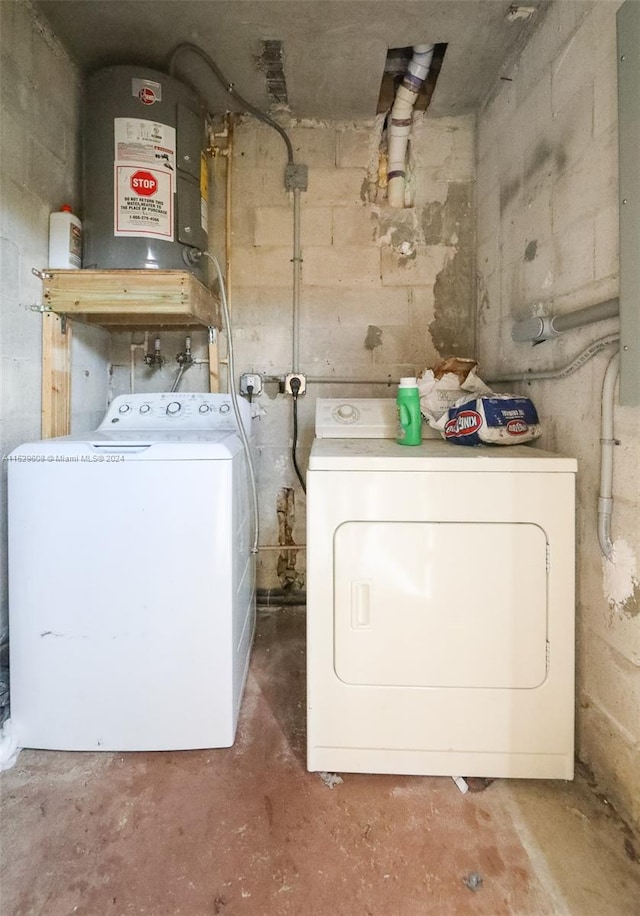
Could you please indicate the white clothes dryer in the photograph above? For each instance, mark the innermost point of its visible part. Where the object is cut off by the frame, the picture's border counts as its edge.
(440, 603)
(131, 593)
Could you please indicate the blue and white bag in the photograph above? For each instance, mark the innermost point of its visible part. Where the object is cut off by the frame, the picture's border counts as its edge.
(498, 419)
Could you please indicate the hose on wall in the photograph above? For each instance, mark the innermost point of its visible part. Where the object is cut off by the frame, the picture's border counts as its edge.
(234, 399)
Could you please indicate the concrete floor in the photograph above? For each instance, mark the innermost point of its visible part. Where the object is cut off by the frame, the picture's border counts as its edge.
(246, 831)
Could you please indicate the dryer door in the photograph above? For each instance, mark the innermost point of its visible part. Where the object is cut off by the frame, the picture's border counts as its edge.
(440, 604)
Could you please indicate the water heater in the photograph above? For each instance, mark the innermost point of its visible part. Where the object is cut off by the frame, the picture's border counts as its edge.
(145, 176)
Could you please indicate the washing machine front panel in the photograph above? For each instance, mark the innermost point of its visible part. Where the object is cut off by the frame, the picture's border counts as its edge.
(437, 604)
(119, 623)
(131, 593)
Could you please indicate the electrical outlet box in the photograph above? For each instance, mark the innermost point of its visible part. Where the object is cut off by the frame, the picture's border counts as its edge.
(296, 177)
(301, 378)
(250, 383)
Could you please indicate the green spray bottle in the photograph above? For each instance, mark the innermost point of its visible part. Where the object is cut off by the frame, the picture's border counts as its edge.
(409, 417)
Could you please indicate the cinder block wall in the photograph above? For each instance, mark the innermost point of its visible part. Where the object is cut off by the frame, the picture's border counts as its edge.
(39, 171)
(548, 244)
(385, 292)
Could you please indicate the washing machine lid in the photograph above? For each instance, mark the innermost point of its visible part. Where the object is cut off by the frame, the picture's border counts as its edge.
(433, 455)
(149, 445)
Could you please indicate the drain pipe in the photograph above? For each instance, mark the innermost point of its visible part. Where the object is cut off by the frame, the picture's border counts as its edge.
(607, 443)
(401, 117)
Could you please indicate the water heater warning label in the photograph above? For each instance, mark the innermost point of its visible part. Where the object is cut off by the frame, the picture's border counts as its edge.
(139, 141)
(144, 176)
(143, 202)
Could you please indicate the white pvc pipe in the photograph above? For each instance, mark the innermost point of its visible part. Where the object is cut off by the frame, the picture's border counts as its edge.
(420, 62)
(400, 126)
(132, 363)
(607, 443)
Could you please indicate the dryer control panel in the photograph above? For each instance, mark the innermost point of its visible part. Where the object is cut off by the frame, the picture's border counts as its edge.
(172, 410)
(356, 418)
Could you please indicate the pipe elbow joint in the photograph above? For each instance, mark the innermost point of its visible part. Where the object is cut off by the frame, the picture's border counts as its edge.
(604, 539)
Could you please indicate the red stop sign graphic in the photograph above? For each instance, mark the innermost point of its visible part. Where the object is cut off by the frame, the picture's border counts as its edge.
(143, 183)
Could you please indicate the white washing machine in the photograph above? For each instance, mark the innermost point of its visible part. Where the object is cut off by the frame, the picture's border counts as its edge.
(440, 603)
(132, 599)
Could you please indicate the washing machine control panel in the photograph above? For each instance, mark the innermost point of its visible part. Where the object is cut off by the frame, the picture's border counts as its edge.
(356, 418)
(173, 411)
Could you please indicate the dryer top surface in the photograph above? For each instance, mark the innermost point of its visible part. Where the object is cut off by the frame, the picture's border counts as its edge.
(433, 455)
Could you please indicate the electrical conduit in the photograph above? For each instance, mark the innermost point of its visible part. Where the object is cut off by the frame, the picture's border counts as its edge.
(537, 329)
(401, 117)
(607, 443)
(297, 272)
(554, 374)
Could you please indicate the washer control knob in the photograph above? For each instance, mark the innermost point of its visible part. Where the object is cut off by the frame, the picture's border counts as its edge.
(174, 408)
(224, 408)
(204, 408)
(145, 408)
(124, 408)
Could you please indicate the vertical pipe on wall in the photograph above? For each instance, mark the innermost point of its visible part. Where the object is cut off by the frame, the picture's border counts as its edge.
(227, 213)
(401, 118)
(607, 443)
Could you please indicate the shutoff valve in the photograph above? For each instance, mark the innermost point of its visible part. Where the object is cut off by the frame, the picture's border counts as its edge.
(155, 359)
(185, 358)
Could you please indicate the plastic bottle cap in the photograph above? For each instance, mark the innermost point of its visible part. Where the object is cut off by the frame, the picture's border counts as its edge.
(409, 382)
(66, 208)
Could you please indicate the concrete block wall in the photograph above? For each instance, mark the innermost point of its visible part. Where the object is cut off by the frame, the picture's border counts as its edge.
(39, 171)
(547, 186)
(385, 293)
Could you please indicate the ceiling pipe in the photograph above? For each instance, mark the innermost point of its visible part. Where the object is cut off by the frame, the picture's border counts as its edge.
(401, 117)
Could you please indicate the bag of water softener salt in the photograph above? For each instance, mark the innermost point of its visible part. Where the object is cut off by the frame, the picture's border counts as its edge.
(499, 419)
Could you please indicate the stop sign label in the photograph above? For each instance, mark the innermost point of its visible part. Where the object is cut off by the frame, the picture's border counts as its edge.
(143, 201)
(143, 183)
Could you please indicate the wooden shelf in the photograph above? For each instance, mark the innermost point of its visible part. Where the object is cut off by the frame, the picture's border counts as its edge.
(131, 298)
